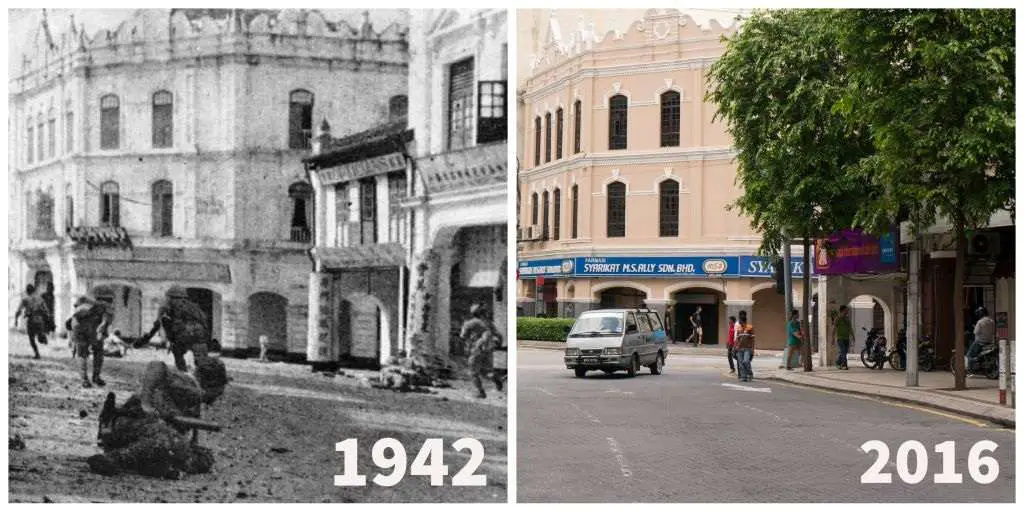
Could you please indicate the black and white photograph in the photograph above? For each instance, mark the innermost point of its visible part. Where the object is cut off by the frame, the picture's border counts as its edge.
(257, 255)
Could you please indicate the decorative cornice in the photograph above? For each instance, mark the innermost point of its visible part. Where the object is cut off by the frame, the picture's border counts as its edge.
(585, 160)
(627, 70)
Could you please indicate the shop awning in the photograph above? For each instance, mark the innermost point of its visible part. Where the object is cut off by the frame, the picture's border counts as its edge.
(153, 270)
(360, 256)
(474, 167)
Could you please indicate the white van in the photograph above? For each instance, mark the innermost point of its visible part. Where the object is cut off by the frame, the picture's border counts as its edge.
(616, 339)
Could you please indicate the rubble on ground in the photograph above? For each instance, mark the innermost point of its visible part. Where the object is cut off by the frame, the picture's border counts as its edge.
(15, 442)
(412, 373)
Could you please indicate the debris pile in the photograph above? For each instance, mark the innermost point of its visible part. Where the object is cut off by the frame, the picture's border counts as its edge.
(420, 369)
(15, 442)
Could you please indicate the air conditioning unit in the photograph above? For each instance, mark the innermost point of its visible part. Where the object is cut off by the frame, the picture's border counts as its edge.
(985, 244)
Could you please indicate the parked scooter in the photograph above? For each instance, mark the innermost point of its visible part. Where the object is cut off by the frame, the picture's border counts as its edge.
(873, 355)
(925, 353)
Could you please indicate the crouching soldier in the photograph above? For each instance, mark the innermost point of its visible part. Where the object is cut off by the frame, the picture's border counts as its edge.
(148, 435)
(183, 323)
(89, 325)
(483, 337)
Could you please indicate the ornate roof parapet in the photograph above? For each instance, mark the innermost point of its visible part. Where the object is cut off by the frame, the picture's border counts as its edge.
(656, 26)
(159, 34)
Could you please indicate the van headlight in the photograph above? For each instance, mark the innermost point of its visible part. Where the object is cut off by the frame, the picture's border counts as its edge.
(613, 351)
(572, 351)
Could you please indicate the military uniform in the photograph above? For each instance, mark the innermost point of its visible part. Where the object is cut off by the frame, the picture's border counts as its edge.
(141, 436)
(88, 326)
(183, 323)
(483, 337)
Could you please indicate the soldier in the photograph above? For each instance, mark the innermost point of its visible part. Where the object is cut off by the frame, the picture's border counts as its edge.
(89, 325)
(183, 323)
(482, 335)
(37, 316)
(148, 434)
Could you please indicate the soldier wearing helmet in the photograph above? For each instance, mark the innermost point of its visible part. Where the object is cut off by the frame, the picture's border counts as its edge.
(184, 325)
(89, 324)
(482, 335)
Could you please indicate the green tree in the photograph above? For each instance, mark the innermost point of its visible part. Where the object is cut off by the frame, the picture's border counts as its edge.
(936, 86)
(775, 87)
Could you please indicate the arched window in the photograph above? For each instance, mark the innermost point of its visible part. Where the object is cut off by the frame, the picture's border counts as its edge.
(163, 208)
(110, 122)
(547, 137)
(30, 141)
(559, 120)
(537, 140)
(300, 119)
(616, 209)
(301, 194)
(44, 214)
(670, 109)
(163, 119)
(51, 134)
(575, 210)
(577, 127)
(557, 200)
(533, 211)
(545, 230)
(668, 208)
(398, 108)
(69, 208)
(110, 204)
(618, 109)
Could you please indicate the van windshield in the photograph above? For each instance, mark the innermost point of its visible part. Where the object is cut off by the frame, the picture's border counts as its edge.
(588, 325)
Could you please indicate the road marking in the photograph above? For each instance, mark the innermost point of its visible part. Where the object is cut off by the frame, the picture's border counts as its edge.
(589, 416)
(772, 414)
(623, 466)
(970, 421)
(747, 388)
(546, 392)
(617, 390)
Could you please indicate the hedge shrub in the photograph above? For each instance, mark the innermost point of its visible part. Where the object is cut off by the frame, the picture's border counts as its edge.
(543, 329)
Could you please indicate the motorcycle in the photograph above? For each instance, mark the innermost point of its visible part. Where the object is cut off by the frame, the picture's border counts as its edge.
(925, 353)
(873, 355)
(987, 362)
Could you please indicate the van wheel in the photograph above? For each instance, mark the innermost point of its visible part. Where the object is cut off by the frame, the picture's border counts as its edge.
(634, 366)
(581, 372)
(657, 365)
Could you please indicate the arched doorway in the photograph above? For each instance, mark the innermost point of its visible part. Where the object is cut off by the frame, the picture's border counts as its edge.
(268, 315)
(127, 304)
(769, 318)
(869, 312)
(686, 302)
(364, 331)
(209, 302)
(476, 276)
(622, 297)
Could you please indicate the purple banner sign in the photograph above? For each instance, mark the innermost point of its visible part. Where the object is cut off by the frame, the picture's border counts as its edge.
(853, 252)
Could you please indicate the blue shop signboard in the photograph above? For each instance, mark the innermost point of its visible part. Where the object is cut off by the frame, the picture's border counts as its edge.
(665, 266)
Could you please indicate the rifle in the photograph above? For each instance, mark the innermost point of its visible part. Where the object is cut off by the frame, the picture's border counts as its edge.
(197, 424)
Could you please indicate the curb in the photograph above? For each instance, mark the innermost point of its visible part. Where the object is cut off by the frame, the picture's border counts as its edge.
(994, 413)
(672, 349)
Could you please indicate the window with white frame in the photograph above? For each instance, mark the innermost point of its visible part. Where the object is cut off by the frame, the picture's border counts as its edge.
(460, 104)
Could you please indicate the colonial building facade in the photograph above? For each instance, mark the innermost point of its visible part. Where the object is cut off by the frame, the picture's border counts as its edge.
(413, 212)
(168, 151)
(625, 182)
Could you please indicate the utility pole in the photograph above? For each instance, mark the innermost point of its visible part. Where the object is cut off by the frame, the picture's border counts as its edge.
(806, 307)
(913, 309)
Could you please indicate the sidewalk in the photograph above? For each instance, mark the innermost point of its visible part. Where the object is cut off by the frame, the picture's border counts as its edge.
(935, 389)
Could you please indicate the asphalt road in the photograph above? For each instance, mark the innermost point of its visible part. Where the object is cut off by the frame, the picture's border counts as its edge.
(694, 435)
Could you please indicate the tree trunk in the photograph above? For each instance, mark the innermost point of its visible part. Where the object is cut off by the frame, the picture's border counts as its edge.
(960, 378)
(806, 306)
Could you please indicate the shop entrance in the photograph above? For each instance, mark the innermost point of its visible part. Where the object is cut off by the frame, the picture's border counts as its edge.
(686, 303)
(622, 297)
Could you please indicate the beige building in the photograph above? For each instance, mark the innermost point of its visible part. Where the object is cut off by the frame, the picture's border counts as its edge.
(625, 180)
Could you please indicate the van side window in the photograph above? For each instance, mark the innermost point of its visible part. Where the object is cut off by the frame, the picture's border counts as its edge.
(655, 321)
(645, 323)
(630, 323)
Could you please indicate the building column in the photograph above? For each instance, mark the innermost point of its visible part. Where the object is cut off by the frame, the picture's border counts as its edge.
(420, 313)
(235, 328)
(319, 346)
(827, 351)
(442, 292)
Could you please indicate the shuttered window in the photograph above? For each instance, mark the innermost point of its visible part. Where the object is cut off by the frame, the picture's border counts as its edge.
(460, 104)
(110, 122)
(536, 141)
(163, 120)
(670, 119)
(668, 208)
(30, 144)
(300, 119)
(545, 230)
(577, 128)
(616, 209)
(533, 212)
(556, 225)
(617, 117)
(559, 120)
(110, 204)
(396, 193)
(163, 208)
(547, 137)
(575, 210)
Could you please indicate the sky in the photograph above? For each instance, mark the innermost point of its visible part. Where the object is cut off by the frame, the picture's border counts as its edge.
(22, 24)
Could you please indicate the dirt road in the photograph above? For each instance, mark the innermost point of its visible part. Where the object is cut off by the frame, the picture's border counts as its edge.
(282, 426)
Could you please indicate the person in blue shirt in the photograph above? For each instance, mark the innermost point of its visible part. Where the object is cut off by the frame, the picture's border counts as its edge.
(790, 356)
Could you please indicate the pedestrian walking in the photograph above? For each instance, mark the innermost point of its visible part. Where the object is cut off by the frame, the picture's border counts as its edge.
(697, 335)
(842, 333)
(482, 336)
(730, 343)
(89, 325)
(264, 345)
(744, 348)
(183, 323)
(37, 317)
(793, 343)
